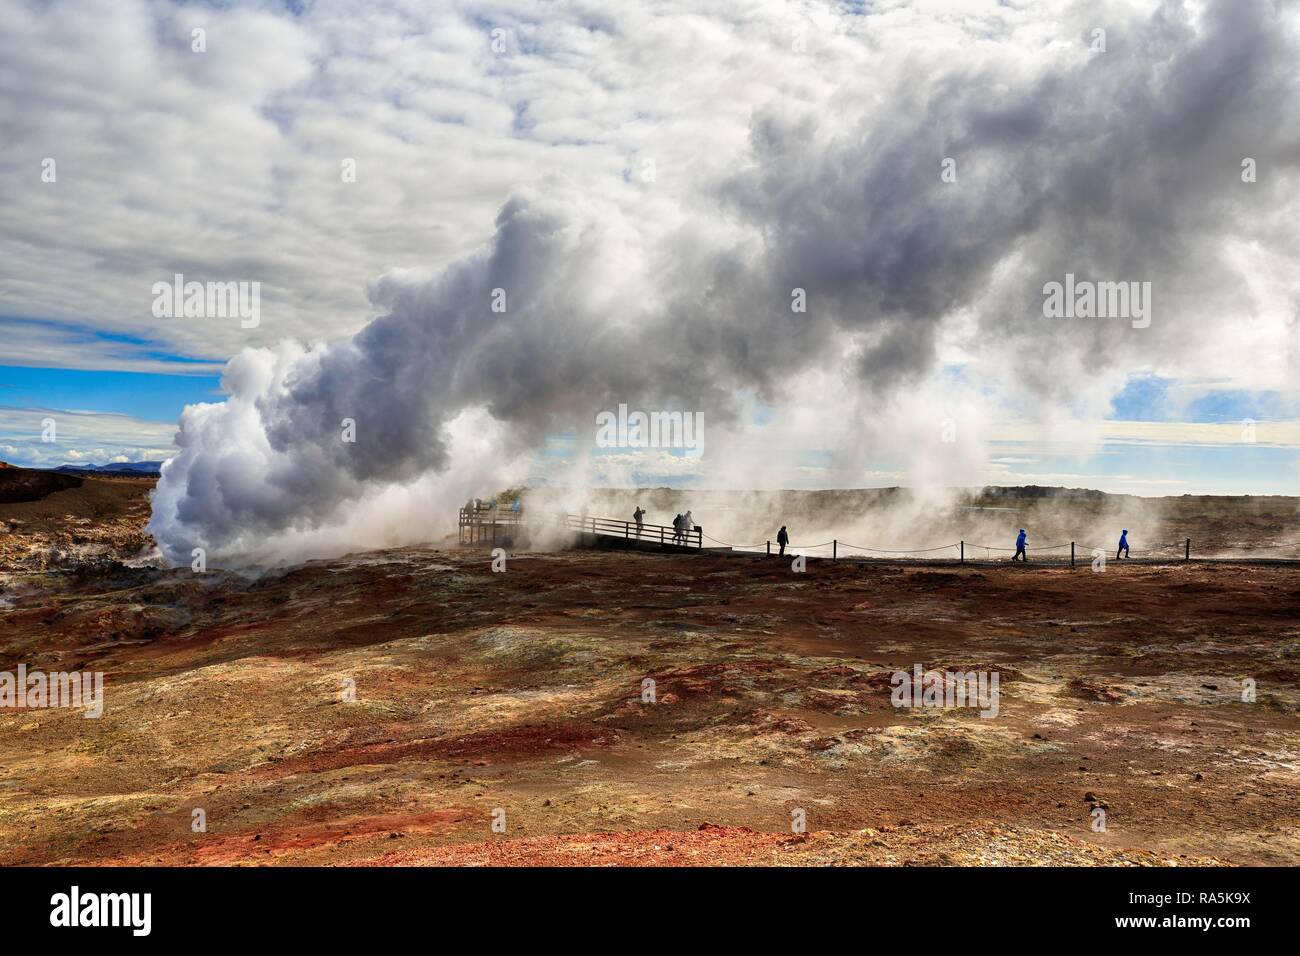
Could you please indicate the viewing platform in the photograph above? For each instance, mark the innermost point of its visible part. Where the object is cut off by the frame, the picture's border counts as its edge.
(486, 525)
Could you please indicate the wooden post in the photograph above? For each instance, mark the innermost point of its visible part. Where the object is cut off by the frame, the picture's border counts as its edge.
(494, 532)
(1187, 551)
(835, 548)
(661, 536)
(1071, 554)
(963, 552)
(769, 548)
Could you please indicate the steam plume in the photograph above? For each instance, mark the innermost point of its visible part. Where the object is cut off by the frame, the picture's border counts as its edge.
(1122, 166)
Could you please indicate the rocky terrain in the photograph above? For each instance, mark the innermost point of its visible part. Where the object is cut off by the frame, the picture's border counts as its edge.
(53, 520)
(412, 707)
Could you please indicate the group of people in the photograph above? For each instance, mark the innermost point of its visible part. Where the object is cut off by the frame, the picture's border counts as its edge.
(478, 504)
(1020, 546)
(683, 524)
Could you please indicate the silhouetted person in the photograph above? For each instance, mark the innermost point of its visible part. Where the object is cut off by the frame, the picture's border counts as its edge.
(782, 539)
(637, 516)
(1123, 544)
(1020, 547)
(677, 529)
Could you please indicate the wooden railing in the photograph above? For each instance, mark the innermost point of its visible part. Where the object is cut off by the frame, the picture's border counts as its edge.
(481, 524)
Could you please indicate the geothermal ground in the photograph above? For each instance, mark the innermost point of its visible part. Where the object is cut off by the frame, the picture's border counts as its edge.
(381, 708)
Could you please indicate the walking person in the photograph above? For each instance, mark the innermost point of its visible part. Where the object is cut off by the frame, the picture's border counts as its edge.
(782, 539)
(1123, 544)
(677, 529)
(637, 516)
(1020, 547)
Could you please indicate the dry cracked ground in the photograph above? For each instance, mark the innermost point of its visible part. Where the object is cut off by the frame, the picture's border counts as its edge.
(385, 708)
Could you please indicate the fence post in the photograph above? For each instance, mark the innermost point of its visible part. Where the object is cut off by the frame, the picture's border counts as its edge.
(1187, 552)
(494, 532)
(835, 548)
(661, 536)
(963, 552)
(1071, 554)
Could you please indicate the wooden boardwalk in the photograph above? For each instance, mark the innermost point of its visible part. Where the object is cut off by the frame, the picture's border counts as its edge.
(488, 525)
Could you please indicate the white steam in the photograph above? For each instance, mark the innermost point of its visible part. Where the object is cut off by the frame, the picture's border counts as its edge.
(1122, 166)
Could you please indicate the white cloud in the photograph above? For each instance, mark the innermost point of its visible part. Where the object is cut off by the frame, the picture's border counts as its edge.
(659, 176)
(80, 437)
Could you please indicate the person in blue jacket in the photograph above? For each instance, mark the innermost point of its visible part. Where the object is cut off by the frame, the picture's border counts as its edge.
(1020, 547)
(1123, 544)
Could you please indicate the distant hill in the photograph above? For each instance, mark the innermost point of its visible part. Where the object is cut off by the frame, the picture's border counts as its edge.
(124, 467)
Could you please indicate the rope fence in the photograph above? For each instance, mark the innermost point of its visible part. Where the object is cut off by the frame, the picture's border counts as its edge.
(1075, 548)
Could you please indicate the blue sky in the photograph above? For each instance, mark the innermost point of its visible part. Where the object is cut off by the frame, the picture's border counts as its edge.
(1153, 398)
(100, 415)
(149, 396)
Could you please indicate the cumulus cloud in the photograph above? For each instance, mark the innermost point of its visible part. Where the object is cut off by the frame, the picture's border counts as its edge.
(648, 186)
(48, 438)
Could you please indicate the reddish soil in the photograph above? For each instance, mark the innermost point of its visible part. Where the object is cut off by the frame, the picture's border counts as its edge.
(387, 708)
